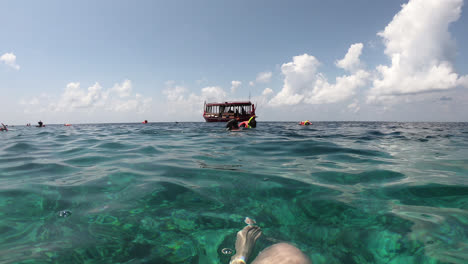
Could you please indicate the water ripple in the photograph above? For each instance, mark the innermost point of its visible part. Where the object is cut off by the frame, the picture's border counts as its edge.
(344, 192)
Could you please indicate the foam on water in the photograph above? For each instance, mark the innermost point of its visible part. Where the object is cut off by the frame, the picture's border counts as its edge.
(343, 192)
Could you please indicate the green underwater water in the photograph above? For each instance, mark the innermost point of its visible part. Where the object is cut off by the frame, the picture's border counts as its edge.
(342, 192)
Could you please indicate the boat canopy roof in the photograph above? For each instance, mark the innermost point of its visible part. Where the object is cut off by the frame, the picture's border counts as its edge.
(230, 103)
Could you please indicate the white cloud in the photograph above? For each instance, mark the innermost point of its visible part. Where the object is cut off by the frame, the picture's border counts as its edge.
(264, 77)
(267, 92)
(263, 99)
(74, 97)
(95, 97)
(33, 101)
(179, 97)
(235, 85)
(303, 83)
(351, 61)
(344, 88)
(175, 93)
(213, 93)
(10, 60)
(300, 76)
(136, 103)
(251, 83)
(124, 89)
(421, 50)
(354, 106)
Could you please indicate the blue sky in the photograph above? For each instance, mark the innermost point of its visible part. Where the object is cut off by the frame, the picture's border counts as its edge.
(126, 61)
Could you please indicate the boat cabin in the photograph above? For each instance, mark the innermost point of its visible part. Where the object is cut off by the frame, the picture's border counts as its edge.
(223, 112)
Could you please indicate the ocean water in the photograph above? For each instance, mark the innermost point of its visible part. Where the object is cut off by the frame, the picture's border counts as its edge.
(342, 192)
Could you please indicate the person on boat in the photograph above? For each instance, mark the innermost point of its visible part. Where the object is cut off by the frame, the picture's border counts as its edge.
(233, 124)
(3, 128)
(251, 123)
(280, 253)
(305, 123)
(40, 124)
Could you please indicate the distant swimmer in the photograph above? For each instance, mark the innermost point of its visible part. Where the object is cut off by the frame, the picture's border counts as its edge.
(251, 123)
(305, 123)
(280, 253)
(40, 124)
(145, 122)
(67, 124)
(3, 128)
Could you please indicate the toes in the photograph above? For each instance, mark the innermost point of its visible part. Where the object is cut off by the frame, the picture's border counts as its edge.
(255, 232)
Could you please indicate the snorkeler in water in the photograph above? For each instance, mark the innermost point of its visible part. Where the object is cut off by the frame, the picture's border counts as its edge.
(280, 253)
(233, 124)
(251, 123)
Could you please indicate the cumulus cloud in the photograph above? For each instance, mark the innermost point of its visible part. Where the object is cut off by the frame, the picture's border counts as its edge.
(264, 77)
(175, 93)
(354, 106)
(299, 78)
(136, 103)
(10, 60)
(179, 97)
(421, 50)
(74, 97)
(267, 92)
(124, 89)
(95, 97)
(235, 85)
(303, 83)
(344, 88)
(351, 61)
(213, 93)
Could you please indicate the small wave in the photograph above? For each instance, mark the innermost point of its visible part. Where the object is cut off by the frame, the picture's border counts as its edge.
(21, 147)
(43, 168)
(374, 176)
(73, 151)
(8, 159)
(149, 150)
(45, 134)
(376, 133)
(433, 195)
(87, 160)
(113, 145)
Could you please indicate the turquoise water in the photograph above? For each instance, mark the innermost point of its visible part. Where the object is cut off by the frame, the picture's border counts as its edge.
(343, 192)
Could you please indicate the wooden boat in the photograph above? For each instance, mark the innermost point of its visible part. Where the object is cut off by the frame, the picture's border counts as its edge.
(223, 112)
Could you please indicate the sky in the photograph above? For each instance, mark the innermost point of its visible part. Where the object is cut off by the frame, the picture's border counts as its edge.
(126, 61)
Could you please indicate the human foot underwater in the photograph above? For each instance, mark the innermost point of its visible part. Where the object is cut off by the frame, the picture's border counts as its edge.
(280, 253)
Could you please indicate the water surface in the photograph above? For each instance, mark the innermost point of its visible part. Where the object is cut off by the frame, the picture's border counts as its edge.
(343, 192)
